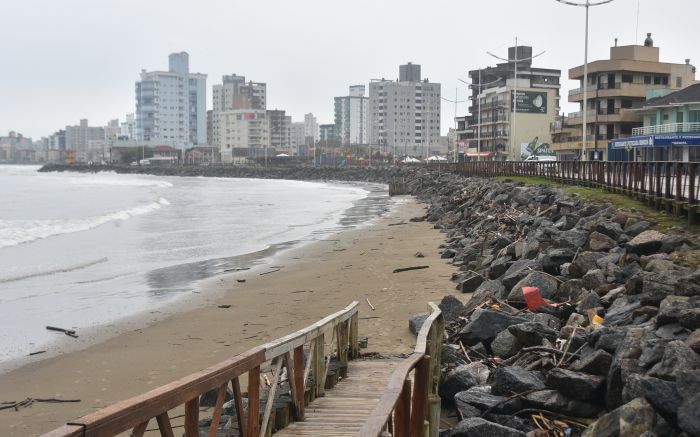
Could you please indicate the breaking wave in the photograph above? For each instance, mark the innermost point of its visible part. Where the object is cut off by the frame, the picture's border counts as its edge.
(15, 232)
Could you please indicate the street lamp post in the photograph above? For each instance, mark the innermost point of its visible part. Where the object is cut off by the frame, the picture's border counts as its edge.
(456, 145)
(479, 86)
(586, 5)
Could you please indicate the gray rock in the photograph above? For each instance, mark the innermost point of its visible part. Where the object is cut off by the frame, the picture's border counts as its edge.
(448, 253)
(677, 356)
(637, 227)
(598, 242)
(572, 290)
(607, 339)
(499, 266)
(552, 400)
(208, 399)
(451, 308)
(590, 301)
(470, 284)
(505, 345)
(478, 427)
(416, 321)
(659, 265)
(573, 239)
(625, 363)
(672, 308)
(546, 284)
(509, 380)
(659, 393)
(584, 262)
(690, 318)
(610, 229)
(693, 341)
(514, 422)
(581, 386)
(485, 291)
(688, 417)
(552, 259)
(593, 279)
(567, 222)
(517, 271)
(688, 383)
(629, 420)
(646, 242)
(485, 324)
(532, 333)
(450, 354)
(457, 380)
(483, 400)
(596, 363)
(673, 243)
(621, 312)
(688, 285)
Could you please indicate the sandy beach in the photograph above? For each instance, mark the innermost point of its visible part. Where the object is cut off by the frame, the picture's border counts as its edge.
(312, 281)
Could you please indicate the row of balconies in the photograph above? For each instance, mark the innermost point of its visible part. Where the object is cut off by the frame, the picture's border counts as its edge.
(626, 89)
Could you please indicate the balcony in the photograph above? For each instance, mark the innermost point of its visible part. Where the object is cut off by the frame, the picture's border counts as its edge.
(666, 128)
(577, 91)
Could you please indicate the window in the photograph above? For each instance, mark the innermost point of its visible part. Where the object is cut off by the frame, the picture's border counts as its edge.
(679, 82)
(694, 116)
(626, 103)
(647, 80)
(627, 78)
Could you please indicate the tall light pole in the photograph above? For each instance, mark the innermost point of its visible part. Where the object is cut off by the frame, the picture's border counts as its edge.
(515, 88)
(586, 5)
(479, 86)
(455, 101)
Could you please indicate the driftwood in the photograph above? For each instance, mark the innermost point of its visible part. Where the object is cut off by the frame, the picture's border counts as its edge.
(68, 332)
(405, 269)
(16, 405)
(36, 353)
(369, 303)
(271, 271)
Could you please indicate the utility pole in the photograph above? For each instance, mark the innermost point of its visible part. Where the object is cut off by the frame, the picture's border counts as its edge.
(456, 147)
(479, 87)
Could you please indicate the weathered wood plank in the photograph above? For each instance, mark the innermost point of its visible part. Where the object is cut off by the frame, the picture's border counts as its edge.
(192, 417)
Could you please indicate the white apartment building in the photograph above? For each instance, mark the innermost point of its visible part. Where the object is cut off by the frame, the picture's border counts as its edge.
(351, 118)
(235, 93)
(311, 128)
(404, 115)
(171, 105)
(242, 134)
(297, 138)
(128, 127)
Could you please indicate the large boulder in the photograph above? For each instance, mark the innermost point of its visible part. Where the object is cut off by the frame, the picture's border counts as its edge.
(480, 398)
(596, 363)
(610, 229)
(674, 308)
(584, 262)
(470, 284)
(598, 242)
(517, 271)
(547, 285)
(486, 291)
(663, 395)
(646, 243)
(532, 333)
(505, 345)
(416, 321)
(629, 420)
(458, 379)
(552, 400)
(485, 324)
(509, 380)
(451, 308)
(478, 427)
(581, 386)
(677, 357)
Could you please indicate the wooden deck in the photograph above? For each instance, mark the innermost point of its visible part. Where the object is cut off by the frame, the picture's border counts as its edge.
(345, 409)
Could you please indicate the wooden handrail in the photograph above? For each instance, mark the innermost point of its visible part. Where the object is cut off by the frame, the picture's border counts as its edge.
(425, 363)
(135, 413)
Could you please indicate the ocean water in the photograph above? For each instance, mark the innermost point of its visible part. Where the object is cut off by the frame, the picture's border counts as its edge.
(81, 250)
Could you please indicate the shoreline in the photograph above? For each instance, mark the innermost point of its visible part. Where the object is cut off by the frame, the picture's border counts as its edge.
(316, 280)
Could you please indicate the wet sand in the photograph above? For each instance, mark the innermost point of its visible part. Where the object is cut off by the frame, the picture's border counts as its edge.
(313, 281)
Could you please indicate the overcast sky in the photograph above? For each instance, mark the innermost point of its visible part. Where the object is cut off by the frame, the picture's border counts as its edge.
(61, 61)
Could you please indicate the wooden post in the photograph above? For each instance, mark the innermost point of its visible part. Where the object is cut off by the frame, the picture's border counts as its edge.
(691, 192)
(402, 414)
(277, 369)
(299, 382)
(166, 430)
(354, 346)
(192, 417)
(253, 402)
(238, 400)
(319, 367)
(679, 189)
(217, 409)
(419, 403)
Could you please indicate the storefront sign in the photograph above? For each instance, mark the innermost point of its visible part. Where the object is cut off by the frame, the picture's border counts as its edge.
(690, 139)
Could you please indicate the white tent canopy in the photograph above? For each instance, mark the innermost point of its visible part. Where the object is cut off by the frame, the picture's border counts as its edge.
(409, 159)
(436, 158)
(281, 155)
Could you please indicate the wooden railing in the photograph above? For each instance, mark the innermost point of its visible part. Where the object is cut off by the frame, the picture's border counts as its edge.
(134, 414)
(412, 408)
(673, 186)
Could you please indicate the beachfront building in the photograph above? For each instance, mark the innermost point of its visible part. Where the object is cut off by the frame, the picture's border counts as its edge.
(86, 143)
(616, 87)
(127, 128)
(671, 130)
(238, 124)
(171, 105)
(279, 126)
(297, 144)
(500, 124)
(351, 116)
(311, 129)
(404, 115)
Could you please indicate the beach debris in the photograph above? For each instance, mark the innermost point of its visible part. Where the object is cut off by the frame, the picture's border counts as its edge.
(36, 353)
(68, 332)
(270, 271)
(224, 306)
(405, 269)
(396, 224)
(16, 405)
(369, 303)
(240, 280)
(419, 255)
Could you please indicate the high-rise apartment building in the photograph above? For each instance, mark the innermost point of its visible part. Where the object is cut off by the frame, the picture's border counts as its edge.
(615, 88)
(171, 105)
(127, 128)
(235, 93)
(311, 128)
(280, 129)
(83, 139)
(404, 115)
(351, 118)
(501, 123)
